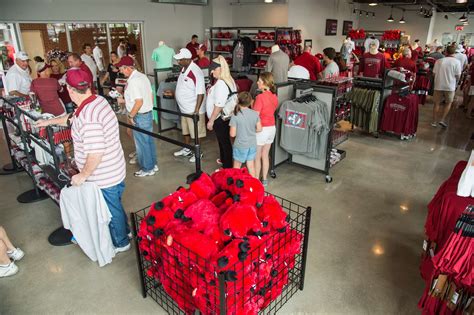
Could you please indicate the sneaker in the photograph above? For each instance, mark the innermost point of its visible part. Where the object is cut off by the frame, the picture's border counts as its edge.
(193, 158)
(434, 124)
(122, 249)
(16, 254)
(183, 152)
(155, 168)
(142, 173)
(133, 160)
(265, 182)
(443, 124)
(133, 154)
(130, 235)
(8, 270)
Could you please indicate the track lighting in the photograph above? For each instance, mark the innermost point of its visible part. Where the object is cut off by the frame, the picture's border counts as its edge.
(390, 18)
(463, 18)
(373, 4)
(402, 20)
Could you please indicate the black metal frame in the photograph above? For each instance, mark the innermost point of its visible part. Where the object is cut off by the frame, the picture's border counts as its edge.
(13, 167)
(221, 294)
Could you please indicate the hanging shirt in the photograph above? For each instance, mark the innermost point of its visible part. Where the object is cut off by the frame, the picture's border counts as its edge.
(163, 57)
(18, 80)
(98, 57)
(89, 61)
(405, 63)
(297, 121)
(372, 66)
(446, 70)
(46, 89)
(190, 85)
(311, 63)
(238, 57)
(85, 213)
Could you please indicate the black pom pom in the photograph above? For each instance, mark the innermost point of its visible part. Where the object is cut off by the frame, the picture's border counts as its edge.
(228, 193)
(258, 233)
(145, 253)
(236, 198)
(259, 205)
(230, 181)
(222, 262)
(231, 276)
(242, 256)
(239, 183)
(193, 177)
(282, 230)
(158, 232)
(185, 218)
(252, 290)
(212, 282)
(159, 205)
(227, 242)
(268, 256)
(151, 220)
(262, 291)
(179, 188)
(269, 284)
(274, 273)
(265, 223)
(179, 214)
(287, 219)
(139, 238)
(227, 232)
(244, 246)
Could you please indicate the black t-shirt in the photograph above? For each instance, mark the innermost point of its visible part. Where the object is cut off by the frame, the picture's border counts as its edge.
(113, 75)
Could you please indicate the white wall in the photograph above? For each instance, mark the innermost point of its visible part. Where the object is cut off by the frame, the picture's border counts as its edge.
(172, 23)
(415, 25)
(448, 26)
(260, 15)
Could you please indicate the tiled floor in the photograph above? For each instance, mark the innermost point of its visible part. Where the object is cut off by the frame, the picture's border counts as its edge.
(365, 239)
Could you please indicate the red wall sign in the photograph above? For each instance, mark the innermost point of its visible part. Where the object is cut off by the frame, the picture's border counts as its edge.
(459, 28)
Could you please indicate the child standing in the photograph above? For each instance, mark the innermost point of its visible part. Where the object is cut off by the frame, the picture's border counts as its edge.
(243, 126)
(265, 104)
(8, 252)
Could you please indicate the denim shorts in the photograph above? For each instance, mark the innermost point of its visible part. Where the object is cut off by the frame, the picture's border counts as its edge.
(244, 155)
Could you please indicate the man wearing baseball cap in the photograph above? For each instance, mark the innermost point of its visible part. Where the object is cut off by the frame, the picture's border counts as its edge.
(98, 152)
(18, 79)
(190, 91)
(203, 61)
(75, 61)
(139, 103)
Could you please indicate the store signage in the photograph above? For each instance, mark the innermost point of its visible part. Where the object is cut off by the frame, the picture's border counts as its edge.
(331, 27)
(346, 27)
(459, 28)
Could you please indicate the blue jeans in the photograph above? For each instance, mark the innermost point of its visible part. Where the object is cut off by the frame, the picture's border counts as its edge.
(118, 225)
(144, 144)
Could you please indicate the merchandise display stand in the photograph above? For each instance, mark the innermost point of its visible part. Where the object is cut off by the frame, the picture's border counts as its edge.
(10, 168)
(161, 75)
(325, 93)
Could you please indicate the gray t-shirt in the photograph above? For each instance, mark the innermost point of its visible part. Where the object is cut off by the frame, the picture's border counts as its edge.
(278, 64)
(246, 124)
(331, 70)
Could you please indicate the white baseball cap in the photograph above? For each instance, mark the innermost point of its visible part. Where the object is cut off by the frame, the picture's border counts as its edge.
(460, 49)
(22, 56)
(184, 53)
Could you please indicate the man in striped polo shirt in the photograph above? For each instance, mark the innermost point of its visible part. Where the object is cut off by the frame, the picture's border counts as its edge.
(97, 150)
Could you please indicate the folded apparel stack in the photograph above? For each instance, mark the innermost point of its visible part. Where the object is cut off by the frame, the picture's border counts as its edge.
(221, 227)
(400, 115)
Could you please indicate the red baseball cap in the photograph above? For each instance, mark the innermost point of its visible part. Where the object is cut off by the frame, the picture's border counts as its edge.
(125, 61)
(203, 47)
(78, 79)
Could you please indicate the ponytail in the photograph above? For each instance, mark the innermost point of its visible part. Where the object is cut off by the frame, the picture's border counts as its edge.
(244, 100)
(267, 79)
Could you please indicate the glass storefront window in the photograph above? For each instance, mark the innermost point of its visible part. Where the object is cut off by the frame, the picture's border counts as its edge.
(131, 33)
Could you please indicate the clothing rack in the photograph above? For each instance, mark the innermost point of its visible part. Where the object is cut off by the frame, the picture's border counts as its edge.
(291, 90)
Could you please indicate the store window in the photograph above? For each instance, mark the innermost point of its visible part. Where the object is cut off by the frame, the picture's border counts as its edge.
(82, 33)
(7, 46)
(132, 34)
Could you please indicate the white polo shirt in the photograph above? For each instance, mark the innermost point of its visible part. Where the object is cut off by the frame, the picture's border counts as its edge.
(18, 79)
(98, 55)
(190, 84)
(89, 61)
(217, 96)
(138, 87)
(446, 70)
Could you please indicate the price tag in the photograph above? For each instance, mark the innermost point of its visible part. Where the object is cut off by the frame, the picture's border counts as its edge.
(425, 245)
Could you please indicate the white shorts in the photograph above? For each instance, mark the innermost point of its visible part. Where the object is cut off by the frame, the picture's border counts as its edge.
(266, 136)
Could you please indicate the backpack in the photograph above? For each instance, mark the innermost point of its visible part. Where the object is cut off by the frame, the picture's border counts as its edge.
(230, 103)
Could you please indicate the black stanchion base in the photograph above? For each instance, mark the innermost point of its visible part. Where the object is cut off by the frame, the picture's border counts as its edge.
(60, 237)
(31, 196)
(9, 169)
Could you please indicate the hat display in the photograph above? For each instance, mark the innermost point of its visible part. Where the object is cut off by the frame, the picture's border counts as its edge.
(184, 53)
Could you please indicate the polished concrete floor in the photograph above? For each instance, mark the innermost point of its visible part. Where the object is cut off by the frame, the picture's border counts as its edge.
(365, 240)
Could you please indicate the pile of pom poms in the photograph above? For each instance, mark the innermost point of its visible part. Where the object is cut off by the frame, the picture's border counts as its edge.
(222, 228)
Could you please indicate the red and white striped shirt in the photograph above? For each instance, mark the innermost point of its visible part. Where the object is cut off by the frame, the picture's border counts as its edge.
(95, 129)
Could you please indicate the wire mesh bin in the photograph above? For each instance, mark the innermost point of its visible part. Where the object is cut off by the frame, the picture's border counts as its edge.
(256, 275)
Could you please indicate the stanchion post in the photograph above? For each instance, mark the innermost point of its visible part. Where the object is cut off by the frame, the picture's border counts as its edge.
(197, 147)
(14, 168)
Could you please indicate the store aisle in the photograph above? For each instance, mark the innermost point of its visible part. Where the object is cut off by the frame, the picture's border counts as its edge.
(365, 240)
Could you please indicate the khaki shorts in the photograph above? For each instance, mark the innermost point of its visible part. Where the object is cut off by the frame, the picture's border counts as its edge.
(439, 96)
(187, 126)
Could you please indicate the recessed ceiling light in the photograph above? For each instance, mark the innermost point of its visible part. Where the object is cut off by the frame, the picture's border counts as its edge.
(268, 1)
(461, 1)
(373, 4)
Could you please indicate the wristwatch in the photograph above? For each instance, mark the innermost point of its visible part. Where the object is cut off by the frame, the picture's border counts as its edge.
(130, 117)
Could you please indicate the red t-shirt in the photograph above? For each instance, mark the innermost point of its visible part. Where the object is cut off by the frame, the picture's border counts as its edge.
(203, 62)
(266, 104)
(311, 63)
(46, 89)
(416, 53)
(372, 66)
(63, 94)
(405, 63)
(192, 48)
(85, 68)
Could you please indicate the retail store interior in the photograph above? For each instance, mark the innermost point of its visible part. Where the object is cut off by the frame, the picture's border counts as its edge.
(374, 189)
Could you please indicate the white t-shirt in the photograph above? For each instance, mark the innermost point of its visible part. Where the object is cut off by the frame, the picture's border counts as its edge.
(217, 96)
(298, 72)
(190, 84)
(331, 70)
(446, 70)
(89, 61)
(98, 55)
(18, 80)
(462, 59)
(138, 87)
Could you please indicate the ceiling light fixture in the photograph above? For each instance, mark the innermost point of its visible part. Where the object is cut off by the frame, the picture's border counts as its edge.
(390, 18)
(373, 4)
(461, 1)
(402, 20)
(354, 11)
(463, 18)
(268, 1)
(465, 23)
